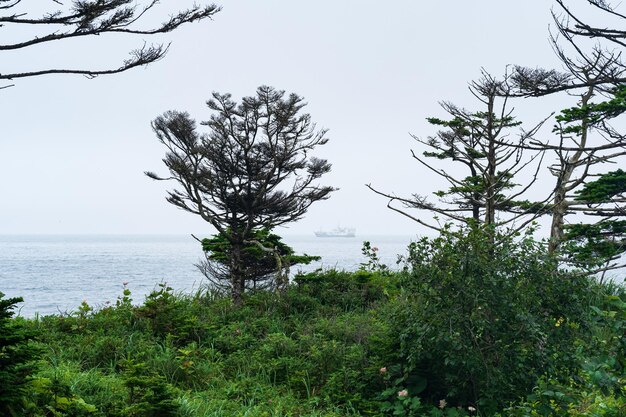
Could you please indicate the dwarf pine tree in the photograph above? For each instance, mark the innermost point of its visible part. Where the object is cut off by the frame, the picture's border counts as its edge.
(17, 356)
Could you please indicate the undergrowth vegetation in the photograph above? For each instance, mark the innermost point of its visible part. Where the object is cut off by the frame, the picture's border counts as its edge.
(465, 328)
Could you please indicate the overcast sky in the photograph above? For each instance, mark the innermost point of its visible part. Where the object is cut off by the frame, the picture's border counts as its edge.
(74, 150)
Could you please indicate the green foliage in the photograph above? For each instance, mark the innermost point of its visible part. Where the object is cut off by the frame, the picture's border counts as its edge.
(149, 394)
(346, 290)
(467, 125)
(373, 263)
(164, 314)
(256, 259)
(593, 245)
(576, 119)
(401, 396)
(475, 141)
(604, 188)
(17, 358)
(264, 256)
(597, 388)
(466, 329)
(277, 354)
(482, 321)
(531, 206)
(52, 395)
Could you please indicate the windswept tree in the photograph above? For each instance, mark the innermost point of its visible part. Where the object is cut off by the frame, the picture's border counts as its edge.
(82, 19)
(486, 147)
(599, 245)
(583, 186)
(588, 200)
(574, 32)
(252, 170)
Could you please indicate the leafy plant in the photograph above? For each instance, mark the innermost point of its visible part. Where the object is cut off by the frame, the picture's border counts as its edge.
(149, 394)
(481, 319)
(17, 358)
(373, 263)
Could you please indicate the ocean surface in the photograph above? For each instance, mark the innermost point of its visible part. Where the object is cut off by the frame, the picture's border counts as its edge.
(54, 274)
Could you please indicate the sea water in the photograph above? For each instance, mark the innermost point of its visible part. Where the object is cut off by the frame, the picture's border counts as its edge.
(54, 274)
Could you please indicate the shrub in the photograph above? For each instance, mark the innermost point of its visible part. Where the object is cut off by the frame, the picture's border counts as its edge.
(17, 356)
(598, 387)
(345, 290)
(167, 314)
(149, 394)
(483, 316)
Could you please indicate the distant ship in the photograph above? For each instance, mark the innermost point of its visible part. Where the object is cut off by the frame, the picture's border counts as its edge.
(338, 232)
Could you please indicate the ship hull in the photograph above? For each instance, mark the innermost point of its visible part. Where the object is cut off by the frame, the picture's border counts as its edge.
(330, 234)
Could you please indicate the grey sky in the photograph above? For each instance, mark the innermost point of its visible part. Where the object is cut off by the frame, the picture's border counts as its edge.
(74, 150)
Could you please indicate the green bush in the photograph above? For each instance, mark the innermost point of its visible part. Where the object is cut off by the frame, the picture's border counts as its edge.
(17, 358)
(479, 322)
(346, 290)
(598, 387)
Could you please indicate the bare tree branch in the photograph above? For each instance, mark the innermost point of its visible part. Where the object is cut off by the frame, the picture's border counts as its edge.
(94, 18)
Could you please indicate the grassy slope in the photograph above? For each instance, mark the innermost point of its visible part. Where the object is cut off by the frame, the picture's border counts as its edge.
(307, 352)
(315, 350)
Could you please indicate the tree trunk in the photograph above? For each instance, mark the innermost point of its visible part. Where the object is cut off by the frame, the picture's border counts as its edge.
(558, 214)
(282, 272)
(237, 277)
(490, 178)
(564, 182)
